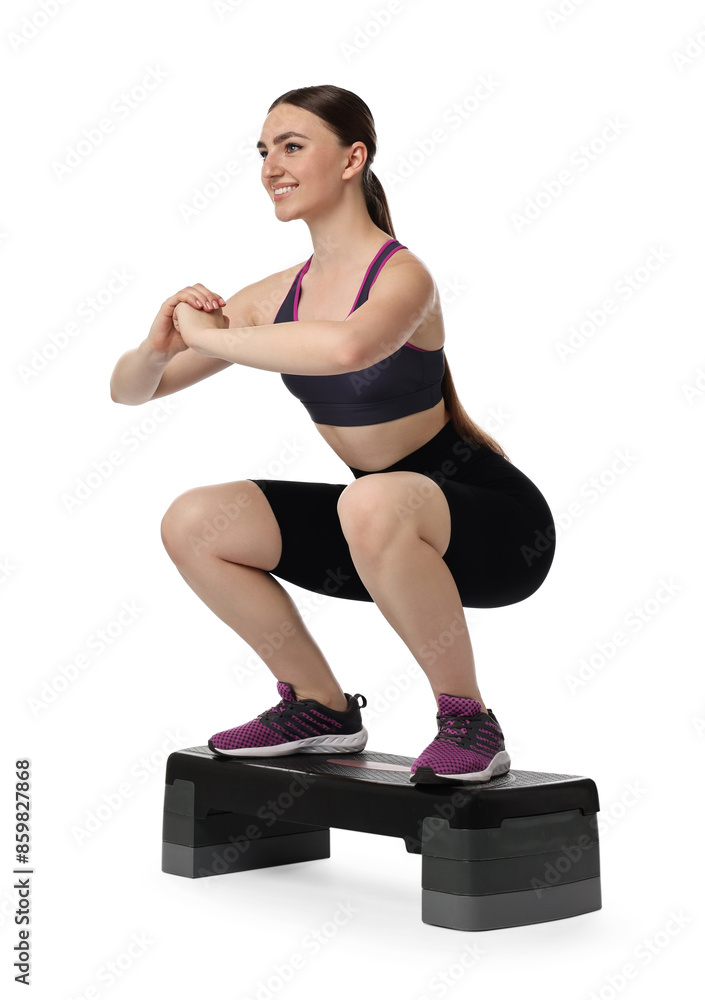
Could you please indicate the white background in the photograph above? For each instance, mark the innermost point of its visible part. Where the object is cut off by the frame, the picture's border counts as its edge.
(633, 721)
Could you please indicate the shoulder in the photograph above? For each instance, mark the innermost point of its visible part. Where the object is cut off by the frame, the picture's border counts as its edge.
(409, 290)
(265, 296)
(407, 274)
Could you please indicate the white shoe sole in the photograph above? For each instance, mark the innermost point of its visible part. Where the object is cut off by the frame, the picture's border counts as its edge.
(499, 764)
(349, 743)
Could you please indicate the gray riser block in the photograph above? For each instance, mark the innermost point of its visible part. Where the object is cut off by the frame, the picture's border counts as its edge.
(509, 909)
(240, 856)
(220, 828)
(532, 871)
(515, 837)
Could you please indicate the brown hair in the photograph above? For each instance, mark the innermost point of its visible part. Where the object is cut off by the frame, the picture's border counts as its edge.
(350, 120)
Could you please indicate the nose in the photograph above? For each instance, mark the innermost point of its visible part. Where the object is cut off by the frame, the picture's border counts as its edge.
(270, 168)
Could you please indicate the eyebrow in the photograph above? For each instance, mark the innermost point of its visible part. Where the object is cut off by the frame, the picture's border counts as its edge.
(281, 138)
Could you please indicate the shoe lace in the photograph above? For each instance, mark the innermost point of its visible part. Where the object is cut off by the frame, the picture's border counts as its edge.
(277, 711)
(450, 728)
(464, 730)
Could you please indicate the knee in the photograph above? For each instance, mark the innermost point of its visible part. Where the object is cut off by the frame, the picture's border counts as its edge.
(367, 517)
(182, 521)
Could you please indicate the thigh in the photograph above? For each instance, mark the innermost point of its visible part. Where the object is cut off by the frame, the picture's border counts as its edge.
(230, 520)
(315, 554)
(502, 541)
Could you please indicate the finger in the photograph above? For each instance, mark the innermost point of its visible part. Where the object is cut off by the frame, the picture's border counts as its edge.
(186, 295)
(211, 300)
(174, 300)
(191, 296)
(196, 298)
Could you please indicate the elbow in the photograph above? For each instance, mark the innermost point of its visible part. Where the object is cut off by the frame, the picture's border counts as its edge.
(347, 358)
(116, 399)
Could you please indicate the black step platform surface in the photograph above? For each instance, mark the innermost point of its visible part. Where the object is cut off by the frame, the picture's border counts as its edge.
(519, 849)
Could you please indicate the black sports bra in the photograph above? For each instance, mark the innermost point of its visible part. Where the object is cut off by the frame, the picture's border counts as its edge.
(407, 381)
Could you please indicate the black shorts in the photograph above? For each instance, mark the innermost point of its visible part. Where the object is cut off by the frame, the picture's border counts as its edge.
(502, 538)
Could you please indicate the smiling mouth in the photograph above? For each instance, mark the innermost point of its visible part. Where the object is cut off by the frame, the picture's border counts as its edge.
(287, 190)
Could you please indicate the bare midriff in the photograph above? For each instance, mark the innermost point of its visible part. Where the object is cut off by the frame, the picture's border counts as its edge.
(373, 447)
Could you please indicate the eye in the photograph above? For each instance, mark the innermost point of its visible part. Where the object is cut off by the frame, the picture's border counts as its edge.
(263, 152)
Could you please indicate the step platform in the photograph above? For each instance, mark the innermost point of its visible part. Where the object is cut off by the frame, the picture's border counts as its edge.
(519, 849)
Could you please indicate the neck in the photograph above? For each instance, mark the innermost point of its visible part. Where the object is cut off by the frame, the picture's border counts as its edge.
(345, 238)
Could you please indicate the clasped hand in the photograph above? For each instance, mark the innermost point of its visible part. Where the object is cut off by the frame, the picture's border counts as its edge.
(195, 326)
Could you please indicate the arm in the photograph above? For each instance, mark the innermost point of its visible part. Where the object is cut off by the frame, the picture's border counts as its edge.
(403, 295)
(137, 374)
(146, 372)
(314, 348)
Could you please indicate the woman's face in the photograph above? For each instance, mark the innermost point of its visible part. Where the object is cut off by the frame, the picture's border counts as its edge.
(312, 162)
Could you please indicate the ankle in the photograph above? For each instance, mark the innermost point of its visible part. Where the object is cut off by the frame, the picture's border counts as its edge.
(336, 705)
(337, 702)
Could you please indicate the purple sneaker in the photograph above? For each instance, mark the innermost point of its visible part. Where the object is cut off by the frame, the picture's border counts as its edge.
(469, 745)
(295, 726)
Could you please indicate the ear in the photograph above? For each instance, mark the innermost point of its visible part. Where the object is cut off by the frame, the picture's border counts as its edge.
(356, 161)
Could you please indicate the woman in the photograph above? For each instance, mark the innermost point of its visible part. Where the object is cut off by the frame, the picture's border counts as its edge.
(436, 517)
